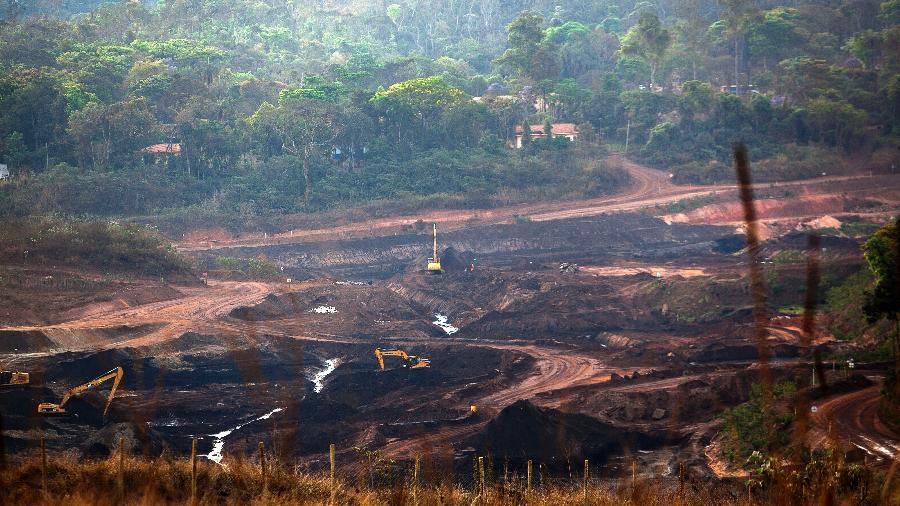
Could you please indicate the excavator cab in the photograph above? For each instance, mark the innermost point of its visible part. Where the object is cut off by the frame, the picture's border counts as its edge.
(14, 379)
(415, 362)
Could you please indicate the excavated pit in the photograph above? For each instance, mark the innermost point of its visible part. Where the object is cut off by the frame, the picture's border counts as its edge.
(601, 364)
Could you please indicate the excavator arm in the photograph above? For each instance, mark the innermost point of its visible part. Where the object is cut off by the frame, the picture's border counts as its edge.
(380, 354)
(48, 408)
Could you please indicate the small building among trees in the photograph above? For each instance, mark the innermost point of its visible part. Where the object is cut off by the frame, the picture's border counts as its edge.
(536, 132)
(159, 153)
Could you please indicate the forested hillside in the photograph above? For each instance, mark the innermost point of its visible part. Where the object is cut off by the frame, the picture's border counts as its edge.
(225, 111)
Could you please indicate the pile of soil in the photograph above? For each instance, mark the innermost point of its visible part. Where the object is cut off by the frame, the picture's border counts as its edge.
(453, 260)
(27, 341)
(524, 431)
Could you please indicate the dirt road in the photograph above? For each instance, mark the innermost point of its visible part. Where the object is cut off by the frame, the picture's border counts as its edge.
(853, 419)
(648, 188)
(645, 183)
(199, 309)
(554, 369)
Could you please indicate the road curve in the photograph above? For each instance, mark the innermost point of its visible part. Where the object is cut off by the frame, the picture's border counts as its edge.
(853, 419)
(554, 369)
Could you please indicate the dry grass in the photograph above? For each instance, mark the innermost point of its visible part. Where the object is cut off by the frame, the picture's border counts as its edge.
(168, 481)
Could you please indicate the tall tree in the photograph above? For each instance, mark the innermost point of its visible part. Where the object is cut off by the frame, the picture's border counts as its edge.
(306, 128)
(882, 252)
(524, 36)
(648, 40)
(417, 104)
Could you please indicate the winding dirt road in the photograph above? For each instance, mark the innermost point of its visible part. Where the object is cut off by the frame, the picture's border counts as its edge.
(853, 419)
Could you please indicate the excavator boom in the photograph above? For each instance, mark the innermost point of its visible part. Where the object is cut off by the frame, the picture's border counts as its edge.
(48, 408)
(434, 263)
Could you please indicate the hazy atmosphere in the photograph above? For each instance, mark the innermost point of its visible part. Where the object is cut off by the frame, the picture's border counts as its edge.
(449, 252)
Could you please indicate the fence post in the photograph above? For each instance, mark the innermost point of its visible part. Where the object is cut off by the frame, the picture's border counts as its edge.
(121, 477)
(193, 471)
(481, 475)
(415, 487)
(475, 472)
(633, 474)
(585, 485)
(528, 481)
(43, 467)
(262, 465)
(331, 459)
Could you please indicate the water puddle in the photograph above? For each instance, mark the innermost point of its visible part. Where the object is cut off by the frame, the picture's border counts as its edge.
(215, 454)
(319, 378)
(443, 322)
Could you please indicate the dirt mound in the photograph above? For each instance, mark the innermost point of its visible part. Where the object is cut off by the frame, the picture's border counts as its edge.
(732, 212)
(453, 260)
(273, 306)
(28, 341)
(819, 223)
(524, 431)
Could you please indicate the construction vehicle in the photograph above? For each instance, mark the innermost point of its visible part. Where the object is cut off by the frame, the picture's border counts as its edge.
(14, 379)
(434, 263)
(48, 408)
(410, 361)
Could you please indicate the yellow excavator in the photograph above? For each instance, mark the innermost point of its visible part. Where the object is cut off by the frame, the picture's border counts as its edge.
(410, 361)
(48, 408)
(14, 379)
(434, 263)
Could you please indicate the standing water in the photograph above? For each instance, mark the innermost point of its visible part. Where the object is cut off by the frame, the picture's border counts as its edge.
(442, 321)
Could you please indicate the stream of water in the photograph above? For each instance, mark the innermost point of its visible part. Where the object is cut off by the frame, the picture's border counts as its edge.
(215, 454)
(319, 378)
(443, 322)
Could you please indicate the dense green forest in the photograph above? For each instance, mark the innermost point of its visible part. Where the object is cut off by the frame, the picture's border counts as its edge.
(270, 107)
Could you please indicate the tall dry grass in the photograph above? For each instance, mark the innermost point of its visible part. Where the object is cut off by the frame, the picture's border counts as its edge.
(163, 480)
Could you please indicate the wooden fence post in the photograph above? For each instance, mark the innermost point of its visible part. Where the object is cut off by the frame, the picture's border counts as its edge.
(43, 467)
(415, 483)
(633, 474)
(121, 478)
(194, 471)
(475, 472)
(331, 459)
(528, 480)
(585, 485)
(262, 465)
(481, 475)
